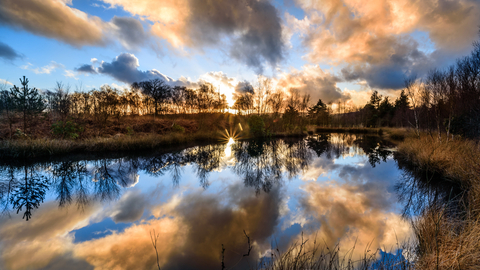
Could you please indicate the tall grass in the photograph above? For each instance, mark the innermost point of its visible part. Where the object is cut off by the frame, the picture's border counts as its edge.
(298, 256)
(457, 160)
(448, 239)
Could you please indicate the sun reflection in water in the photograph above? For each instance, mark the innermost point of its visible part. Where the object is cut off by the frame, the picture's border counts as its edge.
(228, 149)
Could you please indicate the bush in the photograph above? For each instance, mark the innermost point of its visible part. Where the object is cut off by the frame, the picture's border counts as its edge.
(257, 126)
(66, 129)
(178, 128)
(130, 131)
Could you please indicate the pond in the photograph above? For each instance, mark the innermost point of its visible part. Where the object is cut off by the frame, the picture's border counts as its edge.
(228, 205)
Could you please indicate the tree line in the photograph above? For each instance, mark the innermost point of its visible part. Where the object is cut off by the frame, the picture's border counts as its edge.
(446, 101)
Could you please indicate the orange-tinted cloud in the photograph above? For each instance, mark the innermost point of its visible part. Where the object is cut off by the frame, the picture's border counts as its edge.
(42, 239)
(191, 230)
(311, 79)
(57, 19)
(53, 19)
(354, 215)
(251, 29)
(373, 37)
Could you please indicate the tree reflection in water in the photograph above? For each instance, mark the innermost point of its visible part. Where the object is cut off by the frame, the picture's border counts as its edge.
(418, 190)
(260, 164)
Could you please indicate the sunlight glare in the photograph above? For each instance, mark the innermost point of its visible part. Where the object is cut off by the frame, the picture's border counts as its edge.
(228, 149)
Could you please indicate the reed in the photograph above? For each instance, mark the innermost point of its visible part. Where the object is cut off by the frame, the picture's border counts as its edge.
(448, 239)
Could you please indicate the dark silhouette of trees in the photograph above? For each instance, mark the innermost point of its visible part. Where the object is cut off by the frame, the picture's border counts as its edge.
(401, 109)
(7, 105)
(319, 113)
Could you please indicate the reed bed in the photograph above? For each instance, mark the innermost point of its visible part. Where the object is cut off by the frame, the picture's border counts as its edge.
(448, 239)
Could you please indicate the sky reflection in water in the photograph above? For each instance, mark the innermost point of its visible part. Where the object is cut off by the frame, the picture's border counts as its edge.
(99, 214)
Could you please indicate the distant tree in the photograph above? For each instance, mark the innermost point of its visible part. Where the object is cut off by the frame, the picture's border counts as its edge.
(27, 100)
(290, 118)
(319, 112)
(157, 89)
(276, 102)
(375, 99)
(7, 105)
(385, 112)
(59, 101)
(401, 108)
(178, 98)
(371, 109)
(412, 89)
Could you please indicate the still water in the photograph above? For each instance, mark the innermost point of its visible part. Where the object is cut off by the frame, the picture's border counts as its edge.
(102, 213)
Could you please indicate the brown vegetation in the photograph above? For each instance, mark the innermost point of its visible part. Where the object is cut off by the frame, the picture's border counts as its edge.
(448, 235)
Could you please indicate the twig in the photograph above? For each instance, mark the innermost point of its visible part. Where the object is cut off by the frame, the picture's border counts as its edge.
(154, 244)
(249, 246)
(223, 258)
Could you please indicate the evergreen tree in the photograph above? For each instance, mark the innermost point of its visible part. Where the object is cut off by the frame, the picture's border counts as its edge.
(27, 100)
(319, 112)
(385, 112)
(371, 109)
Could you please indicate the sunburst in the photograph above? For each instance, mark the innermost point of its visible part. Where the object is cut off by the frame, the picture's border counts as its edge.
(233, 135)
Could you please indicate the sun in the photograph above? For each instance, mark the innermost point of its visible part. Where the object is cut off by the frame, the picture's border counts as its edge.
(222, 84)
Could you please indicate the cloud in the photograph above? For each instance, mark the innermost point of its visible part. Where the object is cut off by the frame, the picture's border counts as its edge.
(190, 231)
(5, 82)
(54, 19)
(7, 52)
(311, 79)
(130, 208)
(374, 39)
(124, 68)
(129, 32)
(57, 19)
(354, 215)
(45, 69)
(250, 29)
(87, 68)
(45, 238)
(244, 87)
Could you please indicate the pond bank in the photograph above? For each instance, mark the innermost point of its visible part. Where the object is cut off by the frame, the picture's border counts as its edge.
(448, 239)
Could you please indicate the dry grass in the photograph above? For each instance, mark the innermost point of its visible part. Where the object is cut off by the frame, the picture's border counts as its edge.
(350, 130)
(51, 147)
(446, 242)
(299, 256)
(457, 160)
(448, 239)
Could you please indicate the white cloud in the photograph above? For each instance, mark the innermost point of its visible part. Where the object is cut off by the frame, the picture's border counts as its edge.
(5, 82)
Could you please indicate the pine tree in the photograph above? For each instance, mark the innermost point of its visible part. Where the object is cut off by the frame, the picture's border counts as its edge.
(27, 100)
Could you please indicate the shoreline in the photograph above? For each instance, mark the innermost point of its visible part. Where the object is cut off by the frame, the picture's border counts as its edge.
(121, 143)
(44, 148)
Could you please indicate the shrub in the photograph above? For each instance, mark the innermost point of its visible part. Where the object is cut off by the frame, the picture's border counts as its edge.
(178, 128)
(66, 129)
(257, 126)
(130, 131)
(19, 134)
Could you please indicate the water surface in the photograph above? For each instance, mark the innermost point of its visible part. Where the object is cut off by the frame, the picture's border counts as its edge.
(101, 213)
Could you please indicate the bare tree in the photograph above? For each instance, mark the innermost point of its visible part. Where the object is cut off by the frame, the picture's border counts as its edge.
(412, 90)
(157, 89)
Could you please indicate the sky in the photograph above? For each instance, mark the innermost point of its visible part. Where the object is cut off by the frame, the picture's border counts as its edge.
(334, 50)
